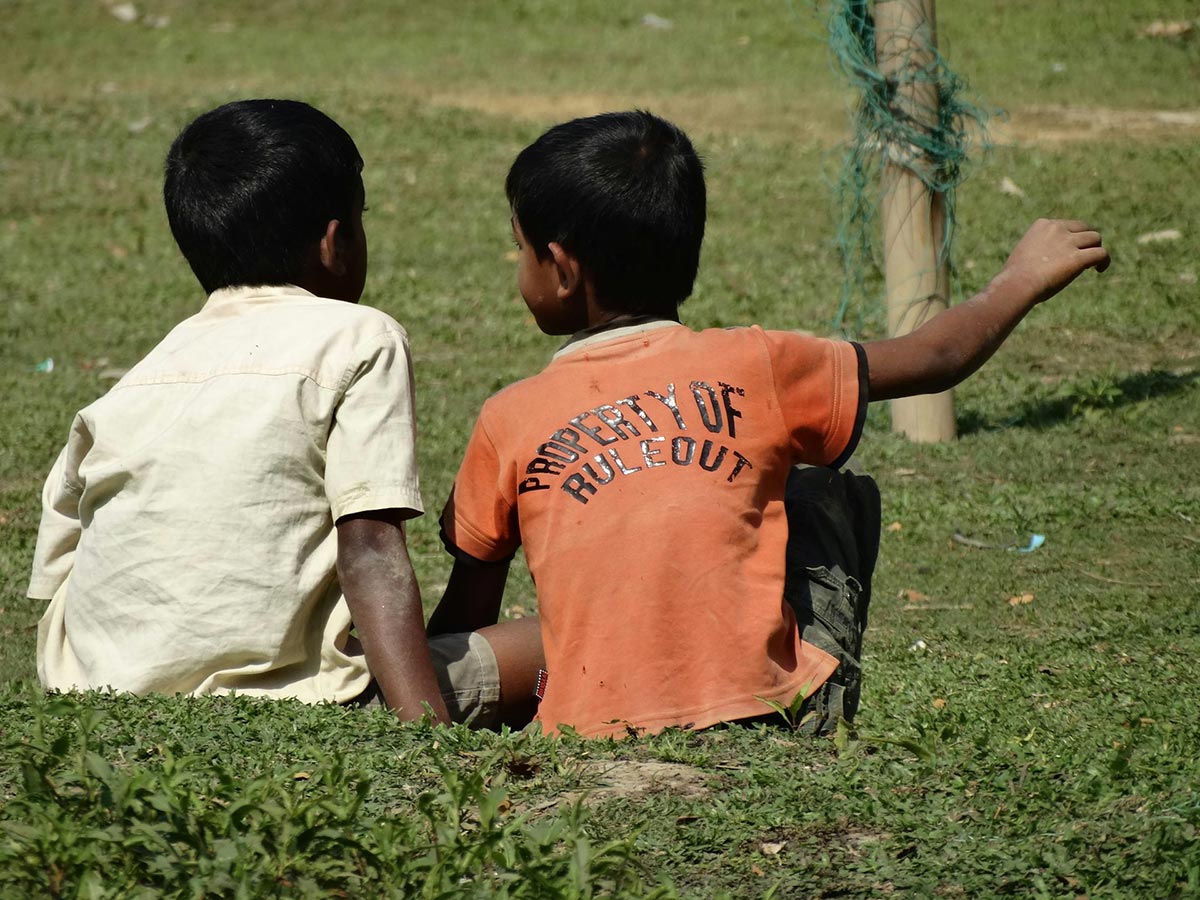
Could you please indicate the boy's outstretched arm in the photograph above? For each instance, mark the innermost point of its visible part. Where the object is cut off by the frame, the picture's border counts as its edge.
(953, 344)
(472, 598)
(381, 590)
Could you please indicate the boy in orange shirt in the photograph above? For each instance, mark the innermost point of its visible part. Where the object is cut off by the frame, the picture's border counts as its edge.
(649, 470)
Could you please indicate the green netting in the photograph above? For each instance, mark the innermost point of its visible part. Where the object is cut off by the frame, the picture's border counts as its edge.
(885, 127)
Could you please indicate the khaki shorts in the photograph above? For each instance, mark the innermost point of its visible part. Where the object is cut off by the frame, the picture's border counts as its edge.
(468, 675)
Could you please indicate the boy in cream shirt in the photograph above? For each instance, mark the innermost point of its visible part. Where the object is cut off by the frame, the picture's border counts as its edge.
(219, 520)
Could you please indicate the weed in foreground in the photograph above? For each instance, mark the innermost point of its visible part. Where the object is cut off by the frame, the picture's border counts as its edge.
(84, 825)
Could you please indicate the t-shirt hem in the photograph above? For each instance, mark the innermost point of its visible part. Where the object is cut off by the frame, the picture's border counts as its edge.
(730, 710)
(310, 691)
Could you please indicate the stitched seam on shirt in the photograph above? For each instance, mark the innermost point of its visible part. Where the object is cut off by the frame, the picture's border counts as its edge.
(838, 390)
(201, 379)
(510, 503)
(308, 374)
(783, 423)
(348, 375)
(472, 529)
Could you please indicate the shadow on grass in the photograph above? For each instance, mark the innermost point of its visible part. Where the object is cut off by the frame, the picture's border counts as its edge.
(1083, 398)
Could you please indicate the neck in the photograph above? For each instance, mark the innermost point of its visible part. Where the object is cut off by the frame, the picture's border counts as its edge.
(622, 320)
(599, 317)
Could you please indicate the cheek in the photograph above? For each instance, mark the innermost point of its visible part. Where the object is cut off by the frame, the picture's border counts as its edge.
(527, 281)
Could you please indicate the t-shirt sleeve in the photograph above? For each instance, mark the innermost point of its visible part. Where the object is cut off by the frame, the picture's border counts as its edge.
(821, 385)
(58, 531)
(370, 461)
(480, 518)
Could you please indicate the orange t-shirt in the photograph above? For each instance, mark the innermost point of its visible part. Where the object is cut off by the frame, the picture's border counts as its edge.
(643, 470)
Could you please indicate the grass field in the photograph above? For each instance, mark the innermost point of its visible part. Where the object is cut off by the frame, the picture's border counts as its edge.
(1029, 722)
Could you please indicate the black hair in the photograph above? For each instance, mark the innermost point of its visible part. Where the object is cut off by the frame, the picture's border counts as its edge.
(251, 185)
(624, 193)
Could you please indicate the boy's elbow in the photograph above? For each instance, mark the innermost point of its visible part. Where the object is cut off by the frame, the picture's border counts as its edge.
(915, 366)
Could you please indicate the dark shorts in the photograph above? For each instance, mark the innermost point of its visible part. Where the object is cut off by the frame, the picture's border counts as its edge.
(833, 543)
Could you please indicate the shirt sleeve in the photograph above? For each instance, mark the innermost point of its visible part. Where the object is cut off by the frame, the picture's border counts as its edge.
(821, 385)
(370, 461)
(480, 518)
(58, 532)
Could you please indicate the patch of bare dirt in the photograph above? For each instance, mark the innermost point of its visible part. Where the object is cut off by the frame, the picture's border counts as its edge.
(1063, 124)
(532, 107)
(633, 779)
(724, 112)
(780, 115)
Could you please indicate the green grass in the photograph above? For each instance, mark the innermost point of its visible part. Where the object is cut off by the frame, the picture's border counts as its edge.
(1038, 749)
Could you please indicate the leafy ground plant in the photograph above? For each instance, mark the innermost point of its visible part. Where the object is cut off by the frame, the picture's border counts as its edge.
(185, 826)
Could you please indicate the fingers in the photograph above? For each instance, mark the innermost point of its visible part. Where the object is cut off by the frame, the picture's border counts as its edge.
(1075, 225)
(1087, 239)
(1061, 236)
(1094, 254)
(1096, 258)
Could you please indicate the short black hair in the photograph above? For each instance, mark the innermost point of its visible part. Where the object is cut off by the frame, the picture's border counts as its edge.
(252, 184)
(624, 193)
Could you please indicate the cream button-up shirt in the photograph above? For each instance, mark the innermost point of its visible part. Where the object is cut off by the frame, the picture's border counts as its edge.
(187, 542)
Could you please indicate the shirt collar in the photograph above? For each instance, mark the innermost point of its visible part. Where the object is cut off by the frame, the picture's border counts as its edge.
(255, 292)
(622, 326)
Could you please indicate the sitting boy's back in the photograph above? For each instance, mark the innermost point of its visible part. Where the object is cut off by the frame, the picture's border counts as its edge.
(648, 484)
(207, 482)
(646, 469)
(203, 530)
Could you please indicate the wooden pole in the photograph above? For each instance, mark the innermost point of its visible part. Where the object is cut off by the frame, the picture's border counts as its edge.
(914, 219)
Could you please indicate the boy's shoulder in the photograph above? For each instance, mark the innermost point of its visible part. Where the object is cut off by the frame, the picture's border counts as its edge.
(289, 315)
(369, 321)
(359, 318)
(268, 329)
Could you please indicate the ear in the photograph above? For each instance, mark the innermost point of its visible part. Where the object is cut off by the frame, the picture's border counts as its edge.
(568, 269)
(330, 250)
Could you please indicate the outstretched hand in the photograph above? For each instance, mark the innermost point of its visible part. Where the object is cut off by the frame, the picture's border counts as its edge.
(954, 343)
(1052, 254)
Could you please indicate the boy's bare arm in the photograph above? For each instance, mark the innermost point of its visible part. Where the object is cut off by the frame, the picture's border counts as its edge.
(472, 598)
(955, 343)
(381, 590)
